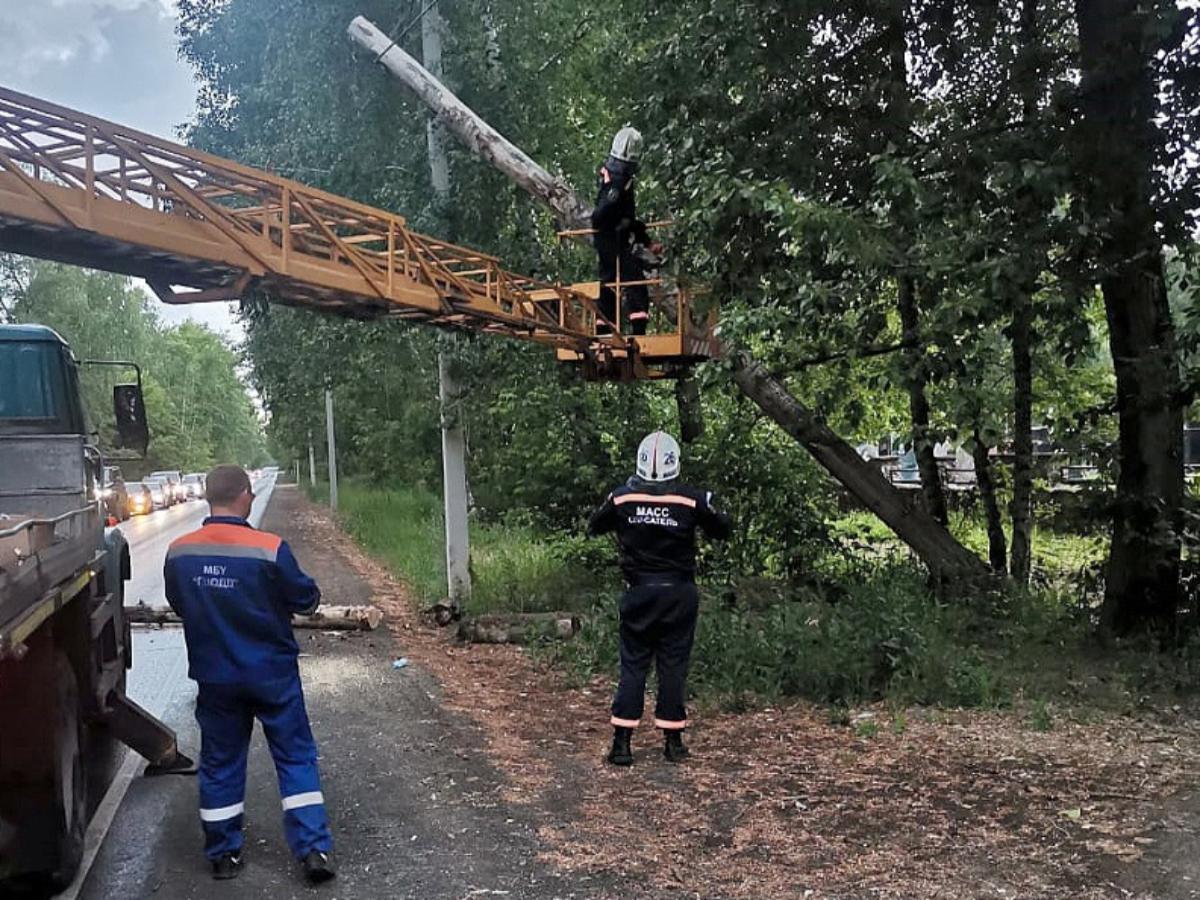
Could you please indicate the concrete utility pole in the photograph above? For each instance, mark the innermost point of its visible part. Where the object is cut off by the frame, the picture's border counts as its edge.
(454, 445)
(454, 486)
(312, 463)
(333, 490)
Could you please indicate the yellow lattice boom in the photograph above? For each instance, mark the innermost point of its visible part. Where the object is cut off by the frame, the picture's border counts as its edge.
(89, 192)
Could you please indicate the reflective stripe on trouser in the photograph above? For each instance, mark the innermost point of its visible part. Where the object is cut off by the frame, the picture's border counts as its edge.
(226, 715)
(657, 622)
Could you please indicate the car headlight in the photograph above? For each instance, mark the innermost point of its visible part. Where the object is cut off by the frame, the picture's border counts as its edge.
(104, 493)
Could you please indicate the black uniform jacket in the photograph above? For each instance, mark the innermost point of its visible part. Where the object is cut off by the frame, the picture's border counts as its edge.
(656, 528)
(615, 215)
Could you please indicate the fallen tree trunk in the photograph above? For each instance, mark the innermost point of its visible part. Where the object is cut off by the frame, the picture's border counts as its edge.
(517, 628)
(327, 618)
(946, 558)
(480, 137)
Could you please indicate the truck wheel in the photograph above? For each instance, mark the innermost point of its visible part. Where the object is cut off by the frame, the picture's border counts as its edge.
(70, 787)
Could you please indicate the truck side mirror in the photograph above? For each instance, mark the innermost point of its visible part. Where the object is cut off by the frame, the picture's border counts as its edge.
(129, 409)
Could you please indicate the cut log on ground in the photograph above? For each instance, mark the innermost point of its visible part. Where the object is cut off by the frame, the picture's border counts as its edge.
(327, 618)
(948, 560)
(518, 628)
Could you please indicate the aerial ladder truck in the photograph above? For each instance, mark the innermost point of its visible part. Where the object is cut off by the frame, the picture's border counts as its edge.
(197, 228)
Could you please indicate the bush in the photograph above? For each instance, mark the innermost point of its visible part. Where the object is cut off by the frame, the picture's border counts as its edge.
(882, 636)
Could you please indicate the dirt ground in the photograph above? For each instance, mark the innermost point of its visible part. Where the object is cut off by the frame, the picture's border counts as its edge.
(784, 803)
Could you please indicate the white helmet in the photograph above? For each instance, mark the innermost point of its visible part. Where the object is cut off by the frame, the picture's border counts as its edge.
(627, 145)
(658, 457)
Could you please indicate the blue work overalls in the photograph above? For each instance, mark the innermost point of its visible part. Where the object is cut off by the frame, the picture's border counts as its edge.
(236, 588)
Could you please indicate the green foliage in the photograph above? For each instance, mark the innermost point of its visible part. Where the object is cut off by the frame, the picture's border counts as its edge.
(1041, 716)
(882, 636)
(197, 405)
(809, 155)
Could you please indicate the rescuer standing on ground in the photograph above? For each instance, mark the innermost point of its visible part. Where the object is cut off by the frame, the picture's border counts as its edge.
(619, 232)
(236, 588)
(655, 519)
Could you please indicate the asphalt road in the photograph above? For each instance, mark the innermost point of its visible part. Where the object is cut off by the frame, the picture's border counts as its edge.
(149, 536)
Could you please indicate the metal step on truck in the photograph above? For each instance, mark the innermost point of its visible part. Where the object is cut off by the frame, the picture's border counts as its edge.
(65, 643)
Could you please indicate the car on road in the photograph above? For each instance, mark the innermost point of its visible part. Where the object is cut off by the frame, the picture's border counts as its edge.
(113, 493)
(193, 486)
(174, 484)
(141, 499)
(160, 492)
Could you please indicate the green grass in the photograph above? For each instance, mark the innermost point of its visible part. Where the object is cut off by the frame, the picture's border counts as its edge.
(513, 568)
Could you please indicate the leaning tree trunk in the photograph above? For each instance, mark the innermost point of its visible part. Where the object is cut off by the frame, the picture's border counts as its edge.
(1115, 159)
(479, 137)
(985, 478)
(946, 559)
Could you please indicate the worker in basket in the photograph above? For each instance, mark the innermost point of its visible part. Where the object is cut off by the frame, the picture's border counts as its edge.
(655, 519)
(624, 249)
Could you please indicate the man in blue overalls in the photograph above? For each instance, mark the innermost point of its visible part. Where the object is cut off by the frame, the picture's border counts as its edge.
(236, 588)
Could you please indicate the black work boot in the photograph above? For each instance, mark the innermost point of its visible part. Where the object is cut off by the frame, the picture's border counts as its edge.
(227, 867)
(318, 867)
(621, 753)
(674, 749)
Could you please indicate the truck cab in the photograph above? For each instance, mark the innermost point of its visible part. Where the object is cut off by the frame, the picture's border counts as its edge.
(65, 643)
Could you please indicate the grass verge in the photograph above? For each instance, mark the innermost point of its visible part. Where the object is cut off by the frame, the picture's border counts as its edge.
(513, 568)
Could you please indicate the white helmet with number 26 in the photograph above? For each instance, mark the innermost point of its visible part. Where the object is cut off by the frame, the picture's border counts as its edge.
(658, 457)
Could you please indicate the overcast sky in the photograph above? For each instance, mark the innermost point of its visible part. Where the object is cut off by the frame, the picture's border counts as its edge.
(115, 59)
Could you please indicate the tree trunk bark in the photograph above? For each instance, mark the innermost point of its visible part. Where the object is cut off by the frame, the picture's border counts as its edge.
(918, 403)
(1020, 508)
(984, 477)
(946, 559)
(899, 124)
(1115, 155)
(518, 628)
(326, 618)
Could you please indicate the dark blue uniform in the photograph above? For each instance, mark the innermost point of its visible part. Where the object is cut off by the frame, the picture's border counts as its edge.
(656, 524)
(617, 227)
(236, 588)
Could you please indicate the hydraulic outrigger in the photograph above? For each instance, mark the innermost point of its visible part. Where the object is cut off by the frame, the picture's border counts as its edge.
(90, 192)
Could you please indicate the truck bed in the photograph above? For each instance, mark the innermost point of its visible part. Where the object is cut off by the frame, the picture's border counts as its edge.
(45, 563)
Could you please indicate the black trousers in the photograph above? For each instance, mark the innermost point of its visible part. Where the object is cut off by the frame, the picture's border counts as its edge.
(658, 621)
(636, 304)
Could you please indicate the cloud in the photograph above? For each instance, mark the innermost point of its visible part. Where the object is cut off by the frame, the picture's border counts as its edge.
(112, 58)
(34, 33)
